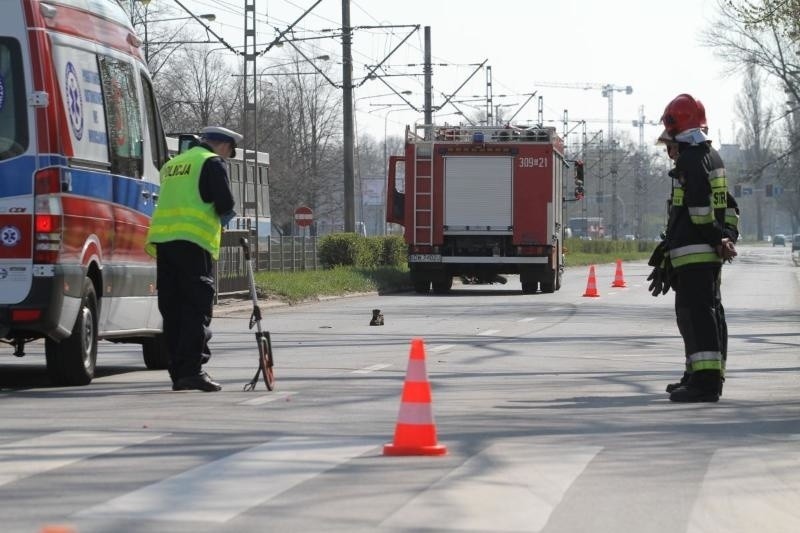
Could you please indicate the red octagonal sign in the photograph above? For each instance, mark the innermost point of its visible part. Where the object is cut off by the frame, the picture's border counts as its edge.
(303, 216)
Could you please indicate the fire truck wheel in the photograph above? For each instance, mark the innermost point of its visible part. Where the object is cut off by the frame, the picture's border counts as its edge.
(528, 287)
(154, 350)
(442, 287)
(72, 360)
(422, 287)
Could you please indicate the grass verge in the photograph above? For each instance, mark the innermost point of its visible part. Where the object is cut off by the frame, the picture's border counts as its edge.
(299, 286)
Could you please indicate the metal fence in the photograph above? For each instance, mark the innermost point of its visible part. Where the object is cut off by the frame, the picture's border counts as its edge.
(281, 254)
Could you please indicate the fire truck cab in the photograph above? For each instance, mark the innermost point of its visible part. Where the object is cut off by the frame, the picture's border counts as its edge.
(478, 202)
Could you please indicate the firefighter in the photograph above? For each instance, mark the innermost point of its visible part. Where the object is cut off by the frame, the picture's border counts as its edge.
(731, 231)
(694, 248)
(195, 202)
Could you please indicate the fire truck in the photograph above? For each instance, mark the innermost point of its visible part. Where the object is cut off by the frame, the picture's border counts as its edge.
(479, 202)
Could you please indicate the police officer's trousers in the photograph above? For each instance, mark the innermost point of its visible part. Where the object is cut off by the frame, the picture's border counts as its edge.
(185, 299)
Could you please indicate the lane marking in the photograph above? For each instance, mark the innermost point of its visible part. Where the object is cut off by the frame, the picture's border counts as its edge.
(441, 347)
(489, 332)
(37, 455)
(527, 319)
(272, 397)
(220, 490)
(372, 368)
(509, 486)
(749, 489)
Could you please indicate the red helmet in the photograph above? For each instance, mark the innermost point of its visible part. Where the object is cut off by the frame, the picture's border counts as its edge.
(683, 113)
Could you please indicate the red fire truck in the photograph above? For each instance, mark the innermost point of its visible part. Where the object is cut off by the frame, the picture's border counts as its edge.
(478, 202)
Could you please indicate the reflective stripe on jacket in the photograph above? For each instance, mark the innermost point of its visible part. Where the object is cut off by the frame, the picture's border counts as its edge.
(181, 214)
(699, 202)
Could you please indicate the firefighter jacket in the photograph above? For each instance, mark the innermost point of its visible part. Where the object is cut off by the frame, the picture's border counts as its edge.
(699, 204)
(181, 213)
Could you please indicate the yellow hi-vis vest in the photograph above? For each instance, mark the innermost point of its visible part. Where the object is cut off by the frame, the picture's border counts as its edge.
(181, 214)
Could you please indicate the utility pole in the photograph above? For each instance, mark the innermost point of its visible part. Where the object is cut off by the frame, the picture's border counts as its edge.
(249, 114)
(428, 72)
(348, 141)
(608, 92)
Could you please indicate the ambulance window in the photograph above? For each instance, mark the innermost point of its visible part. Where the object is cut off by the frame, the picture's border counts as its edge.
(158, 144)
(122, 116)
(13, 108)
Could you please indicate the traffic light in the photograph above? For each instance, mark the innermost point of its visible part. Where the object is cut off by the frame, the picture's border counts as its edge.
(737, 191)
(579, 180)
(768, 190)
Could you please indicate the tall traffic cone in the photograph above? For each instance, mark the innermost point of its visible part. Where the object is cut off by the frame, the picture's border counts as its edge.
(415, 432)
(619, 281)
(591, 285)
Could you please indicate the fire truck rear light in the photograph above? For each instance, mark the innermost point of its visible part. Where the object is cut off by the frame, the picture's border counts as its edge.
(25, 315)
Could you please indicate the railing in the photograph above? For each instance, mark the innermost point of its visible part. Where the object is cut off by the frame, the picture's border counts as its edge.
(283, 254)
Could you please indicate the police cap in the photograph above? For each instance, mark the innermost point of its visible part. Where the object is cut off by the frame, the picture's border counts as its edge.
(218, 133)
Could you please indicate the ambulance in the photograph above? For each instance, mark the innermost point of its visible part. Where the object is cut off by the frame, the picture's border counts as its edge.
(81, 143)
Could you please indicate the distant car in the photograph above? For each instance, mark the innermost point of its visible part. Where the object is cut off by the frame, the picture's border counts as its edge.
(796, 242)
(779, 240)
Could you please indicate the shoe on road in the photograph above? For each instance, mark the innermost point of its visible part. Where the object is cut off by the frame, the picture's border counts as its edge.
(202, 382)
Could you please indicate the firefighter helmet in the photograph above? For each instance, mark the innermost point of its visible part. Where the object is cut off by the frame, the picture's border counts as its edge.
(683, 113)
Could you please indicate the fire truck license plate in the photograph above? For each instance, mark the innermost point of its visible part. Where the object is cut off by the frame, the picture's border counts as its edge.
(424, 258)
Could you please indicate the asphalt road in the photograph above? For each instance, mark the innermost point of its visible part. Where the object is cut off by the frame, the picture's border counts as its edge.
(551, 406)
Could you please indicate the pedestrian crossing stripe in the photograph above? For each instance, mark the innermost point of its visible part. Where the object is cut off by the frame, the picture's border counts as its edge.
(513, 486)
(220, 490)
(37, 455)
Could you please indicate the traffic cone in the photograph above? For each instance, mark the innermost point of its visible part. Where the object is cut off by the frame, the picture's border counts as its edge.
(619, 281)
(415, 432)
(591, 285)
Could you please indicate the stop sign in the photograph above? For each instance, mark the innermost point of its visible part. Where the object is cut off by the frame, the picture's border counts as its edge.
(303, 216)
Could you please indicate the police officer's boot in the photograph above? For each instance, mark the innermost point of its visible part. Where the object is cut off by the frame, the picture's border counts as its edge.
(682, 383)
(703, 386)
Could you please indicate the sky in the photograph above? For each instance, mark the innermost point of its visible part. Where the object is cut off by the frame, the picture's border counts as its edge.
(653, 47)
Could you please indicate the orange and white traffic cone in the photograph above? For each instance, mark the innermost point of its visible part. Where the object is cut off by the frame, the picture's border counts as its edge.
(591, 285)
(415, 432)
(619, 281)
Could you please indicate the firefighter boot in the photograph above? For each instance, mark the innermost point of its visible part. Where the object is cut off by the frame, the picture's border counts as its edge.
(703, 386)
(682, 383)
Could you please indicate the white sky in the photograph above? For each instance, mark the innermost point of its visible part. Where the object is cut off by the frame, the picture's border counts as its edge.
(652, 46)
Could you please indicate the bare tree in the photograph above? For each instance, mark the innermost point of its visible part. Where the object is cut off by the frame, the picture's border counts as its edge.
(756, 138)
(300, 127)
(196, 90)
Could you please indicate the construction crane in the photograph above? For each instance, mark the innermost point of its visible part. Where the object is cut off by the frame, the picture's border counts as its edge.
(606, 89)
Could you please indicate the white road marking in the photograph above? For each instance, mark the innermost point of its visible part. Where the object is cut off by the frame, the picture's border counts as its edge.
(218, 491)
(272, 397)
(510, 486)
(29, 457)
(371, 368)
(749, 489)
(527, 319)
(489, 332)
(442, 347)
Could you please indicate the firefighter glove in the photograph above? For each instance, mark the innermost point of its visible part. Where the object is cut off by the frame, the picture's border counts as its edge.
(659, 281)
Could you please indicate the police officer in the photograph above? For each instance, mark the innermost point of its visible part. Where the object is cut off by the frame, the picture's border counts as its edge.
(730, 230)
(696, 245)
(195, 202)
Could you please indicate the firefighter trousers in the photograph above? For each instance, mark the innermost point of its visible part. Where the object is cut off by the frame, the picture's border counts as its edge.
(185, 298)
(697, 310)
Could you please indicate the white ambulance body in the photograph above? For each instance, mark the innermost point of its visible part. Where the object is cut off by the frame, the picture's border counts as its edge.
(81, 143)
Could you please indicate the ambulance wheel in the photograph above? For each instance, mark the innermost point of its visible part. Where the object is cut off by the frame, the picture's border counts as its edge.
(154, 350)
(72, 361)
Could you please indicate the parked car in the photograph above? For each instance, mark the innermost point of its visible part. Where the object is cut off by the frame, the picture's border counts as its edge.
(796, 242)
(779, 240)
